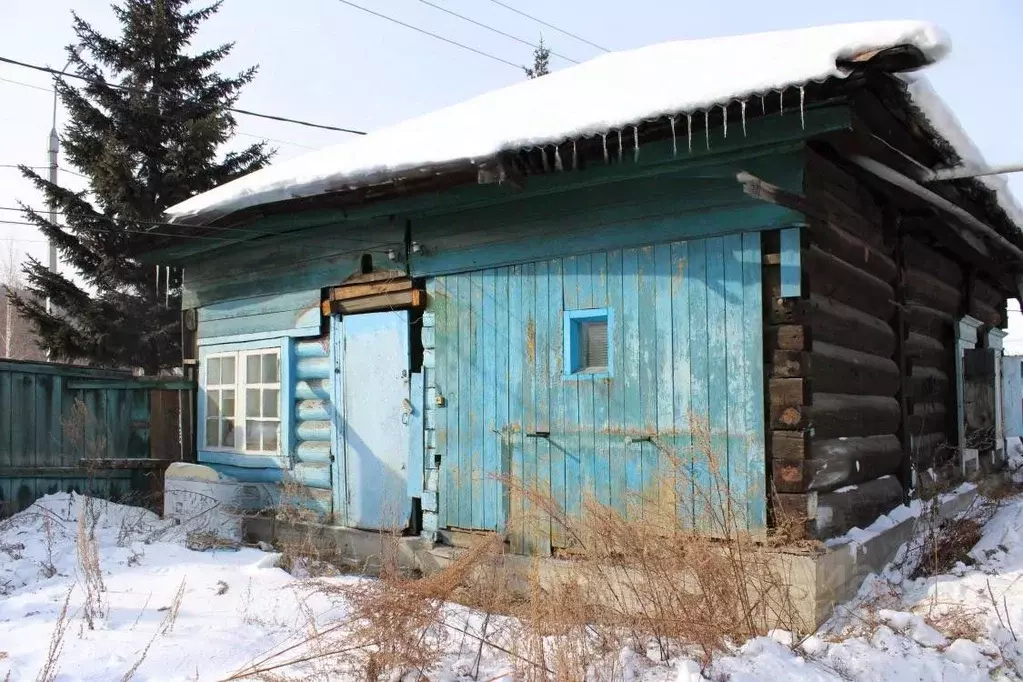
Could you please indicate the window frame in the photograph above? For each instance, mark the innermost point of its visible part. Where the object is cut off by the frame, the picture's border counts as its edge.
(238, 455)
(574, 322)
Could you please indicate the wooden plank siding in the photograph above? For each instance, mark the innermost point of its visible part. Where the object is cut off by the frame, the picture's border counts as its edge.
(687, 369)
(43, 437)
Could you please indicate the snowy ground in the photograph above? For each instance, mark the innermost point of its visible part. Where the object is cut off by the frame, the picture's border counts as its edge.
(234, 606)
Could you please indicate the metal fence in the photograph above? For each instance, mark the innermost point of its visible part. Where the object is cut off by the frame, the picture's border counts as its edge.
(101, 432)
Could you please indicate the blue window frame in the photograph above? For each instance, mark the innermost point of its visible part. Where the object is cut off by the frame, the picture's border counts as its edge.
(589, 352)
(244, 388)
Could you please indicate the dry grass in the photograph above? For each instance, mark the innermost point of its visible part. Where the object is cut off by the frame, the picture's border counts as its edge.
(643, 578)
(171, 616)
(91, 574)
(52, 665)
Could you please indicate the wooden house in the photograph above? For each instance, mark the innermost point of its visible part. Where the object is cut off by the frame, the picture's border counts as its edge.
(733, 253)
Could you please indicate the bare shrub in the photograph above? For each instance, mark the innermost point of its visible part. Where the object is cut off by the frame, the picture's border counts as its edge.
(303, 554)
(52, 665)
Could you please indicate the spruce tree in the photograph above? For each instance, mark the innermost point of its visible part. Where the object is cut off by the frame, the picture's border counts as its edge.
(541, 57)
(147, 128)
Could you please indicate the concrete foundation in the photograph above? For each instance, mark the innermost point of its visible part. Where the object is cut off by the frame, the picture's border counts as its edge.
(815, 580)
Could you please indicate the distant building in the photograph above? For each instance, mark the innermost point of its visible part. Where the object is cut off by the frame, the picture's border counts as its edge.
(18, 340)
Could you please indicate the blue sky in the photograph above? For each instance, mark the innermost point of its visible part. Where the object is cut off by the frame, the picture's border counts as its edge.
(324, 61)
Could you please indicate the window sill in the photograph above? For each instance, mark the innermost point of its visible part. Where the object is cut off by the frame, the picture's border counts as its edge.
(243, 459)
(584, 374)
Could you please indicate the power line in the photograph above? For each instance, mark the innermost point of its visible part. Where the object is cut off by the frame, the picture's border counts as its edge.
(272, 139)
(60, 168)
(494, 30)
(26, 85)
(154, 223)
(245, 112)
(433, 35)
(541, 21)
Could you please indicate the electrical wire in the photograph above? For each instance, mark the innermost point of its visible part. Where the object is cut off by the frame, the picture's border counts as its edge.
(495, 30)
(432, 35)
(26, 85)
(544, 23)
(245, 112)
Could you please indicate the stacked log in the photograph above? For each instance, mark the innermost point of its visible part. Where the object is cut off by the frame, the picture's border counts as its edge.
(834, 380)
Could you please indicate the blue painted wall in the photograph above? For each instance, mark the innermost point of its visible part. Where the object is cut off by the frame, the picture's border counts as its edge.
(681, 411)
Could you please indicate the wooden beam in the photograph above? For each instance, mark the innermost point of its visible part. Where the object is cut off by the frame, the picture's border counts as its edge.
(395, 300)
(349, 291)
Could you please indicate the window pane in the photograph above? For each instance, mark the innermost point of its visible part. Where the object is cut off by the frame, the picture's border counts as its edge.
(270, 436)
(270, 368)
(227, 402)
(227, 370)
(270, 400)
(213, 371)
(252, 432)
(252, 369)
(593, 351)
(212, 403)
(227, 429)
(252, 402)
(212, 427)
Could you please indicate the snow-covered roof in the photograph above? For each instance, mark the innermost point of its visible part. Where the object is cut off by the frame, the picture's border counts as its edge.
(607, 93)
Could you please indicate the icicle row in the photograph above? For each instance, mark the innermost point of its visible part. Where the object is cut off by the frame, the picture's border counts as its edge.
(635, 146)
(689, 131)
(802, 102)
(706, 126)
(674, 142)
(557, 159)
(742, 108)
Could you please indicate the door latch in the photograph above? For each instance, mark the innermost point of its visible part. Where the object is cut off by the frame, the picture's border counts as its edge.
(406, 411)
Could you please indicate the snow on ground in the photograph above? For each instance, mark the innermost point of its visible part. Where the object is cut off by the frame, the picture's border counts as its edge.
(236, 605)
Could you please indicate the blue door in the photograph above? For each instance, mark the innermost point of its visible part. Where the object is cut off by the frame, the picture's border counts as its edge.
(373, 428)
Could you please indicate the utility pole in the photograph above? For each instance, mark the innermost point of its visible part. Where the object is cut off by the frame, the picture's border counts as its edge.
(52, 150)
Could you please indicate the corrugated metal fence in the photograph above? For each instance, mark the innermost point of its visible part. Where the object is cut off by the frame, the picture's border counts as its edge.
(101, 432)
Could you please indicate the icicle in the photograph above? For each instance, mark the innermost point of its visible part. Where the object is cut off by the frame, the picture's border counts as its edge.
(763, 105)
(781, 101)
(689, 131)
(674, 142)
(635, 145)
(724, 117)
(802, 102)
(557, 159)
(742, 108)
(157, 282)
(166, 286)
(575, 157)
(543, 159)
(619, 145)
(603, 136)
(706, 126)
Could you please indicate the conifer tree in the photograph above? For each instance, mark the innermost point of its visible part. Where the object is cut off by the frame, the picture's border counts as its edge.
(147, 128)
(541, 57)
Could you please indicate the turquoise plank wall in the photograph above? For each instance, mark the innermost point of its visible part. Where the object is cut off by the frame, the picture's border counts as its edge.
(687, 374)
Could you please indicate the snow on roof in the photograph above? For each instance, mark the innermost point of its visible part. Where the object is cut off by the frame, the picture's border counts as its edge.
(605, 93)
(945, 124)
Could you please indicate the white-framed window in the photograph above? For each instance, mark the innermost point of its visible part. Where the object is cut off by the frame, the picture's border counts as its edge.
(243, 396)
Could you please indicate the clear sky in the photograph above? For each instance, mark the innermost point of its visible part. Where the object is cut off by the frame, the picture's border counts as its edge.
(324, 61)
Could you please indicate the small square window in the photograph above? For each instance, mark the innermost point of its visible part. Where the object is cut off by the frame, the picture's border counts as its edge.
(588, 349)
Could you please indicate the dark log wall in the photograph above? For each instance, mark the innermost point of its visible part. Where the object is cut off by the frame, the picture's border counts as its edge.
(835, 446)
(861, 366)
